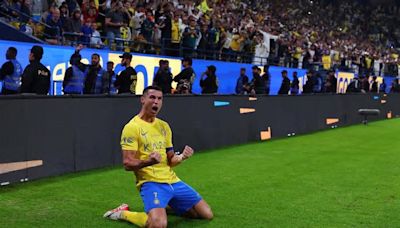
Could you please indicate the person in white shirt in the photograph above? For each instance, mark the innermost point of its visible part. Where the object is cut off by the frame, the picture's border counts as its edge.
(95, 39)
(263, 48)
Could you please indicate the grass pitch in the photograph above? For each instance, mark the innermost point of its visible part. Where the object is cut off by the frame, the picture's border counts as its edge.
(347, 177)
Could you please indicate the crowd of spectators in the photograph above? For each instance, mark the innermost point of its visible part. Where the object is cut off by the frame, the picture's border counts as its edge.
(333, 34)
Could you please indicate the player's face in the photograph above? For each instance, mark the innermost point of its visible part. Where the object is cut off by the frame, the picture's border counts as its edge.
(152, 102)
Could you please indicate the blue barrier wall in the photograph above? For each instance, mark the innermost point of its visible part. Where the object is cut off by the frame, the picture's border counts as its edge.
(56, 58)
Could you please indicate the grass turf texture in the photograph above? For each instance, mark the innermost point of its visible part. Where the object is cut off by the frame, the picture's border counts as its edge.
(337, 178)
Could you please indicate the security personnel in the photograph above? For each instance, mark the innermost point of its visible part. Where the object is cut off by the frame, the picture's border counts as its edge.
(258, 82)
(11, 72)
(74, 79)
(127, 79)
(94, 77)
(109, 79)
(36, 77)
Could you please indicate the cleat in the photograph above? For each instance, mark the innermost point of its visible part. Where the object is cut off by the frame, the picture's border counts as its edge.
(115, 214)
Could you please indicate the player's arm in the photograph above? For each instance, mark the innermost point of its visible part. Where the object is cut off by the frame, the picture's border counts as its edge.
(130, 153)
(131, 163)
(174, 159)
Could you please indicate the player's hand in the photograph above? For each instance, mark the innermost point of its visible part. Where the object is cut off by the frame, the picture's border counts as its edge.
(187, 152)
(155, 158)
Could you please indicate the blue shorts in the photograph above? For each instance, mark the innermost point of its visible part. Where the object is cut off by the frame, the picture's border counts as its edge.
(179, 196)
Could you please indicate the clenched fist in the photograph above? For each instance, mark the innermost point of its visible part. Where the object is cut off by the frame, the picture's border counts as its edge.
(155, 158)
(187, 152)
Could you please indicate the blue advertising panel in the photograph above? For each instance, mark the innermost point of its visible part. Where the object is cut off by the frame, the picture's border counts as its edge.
(56, 59)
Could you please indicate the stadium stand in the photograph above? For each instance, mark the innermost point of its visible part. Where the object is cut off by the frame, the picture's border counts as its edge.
(334, 34)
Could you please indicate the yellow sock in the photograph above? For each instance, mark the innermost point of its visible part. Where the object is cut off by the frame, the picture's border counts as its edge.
(137, 218)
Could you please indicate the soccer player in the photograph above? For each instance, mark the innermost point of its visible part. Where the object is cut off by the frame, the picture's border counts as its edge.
(147, 149)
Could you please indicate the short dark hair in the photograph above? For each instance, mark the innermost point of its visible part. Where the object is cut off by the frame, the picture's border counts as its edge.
(110, 62)
(13, 50)
(151, 87)
(188, 60)
(95, 54)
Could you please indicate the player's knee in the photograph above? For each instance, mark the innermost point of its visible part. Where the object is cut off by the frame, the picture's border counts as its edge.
(208, 214)
(156, 222)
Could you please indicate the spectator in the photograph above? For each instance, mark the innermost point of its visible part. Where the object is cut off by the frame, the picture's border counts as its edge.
(27, 28)
(326, 61)
(185, 78)
(25, 11)
(165, 25)
(294, 86)
(308, 87)
(90, 11)
(127, 79)
(73, 28)
(202, 48)
(267, 79)
(126, 35)
(109, 79)
(72, 5)
(354, 86)
(147, 29)
(318, 83)
(365, 84)
(95, 39)
(64, 13)
(10, 73)
(175, 36)
(209, 81)
(114, 22)
(382, 87)
(136, 23)
(258, 82)
(54, 30)
(285, 86)
(296, 55)
(75, 75)
(95, 77)
(262, 49)
(331, 83)
(213, 40)
(87, 33)
(163, 77)
(236, 43)
(190, 36)
(395, 86)
(91, 14)
(242, 83)
(374, 86)
(36, 77)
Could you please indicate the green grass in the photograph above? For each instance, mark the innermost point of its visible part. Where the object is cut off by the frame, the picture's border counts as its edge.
(347, 177)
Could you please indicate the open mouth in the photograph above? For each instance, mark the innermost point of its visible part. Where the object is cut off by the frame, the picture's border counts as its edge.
(154, 108)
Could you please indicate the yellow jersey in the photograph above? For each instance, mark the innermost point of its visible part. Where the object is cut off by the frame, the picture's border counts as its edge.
(326, 62)
(145, 138)
(175, 32)
(236, 42)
